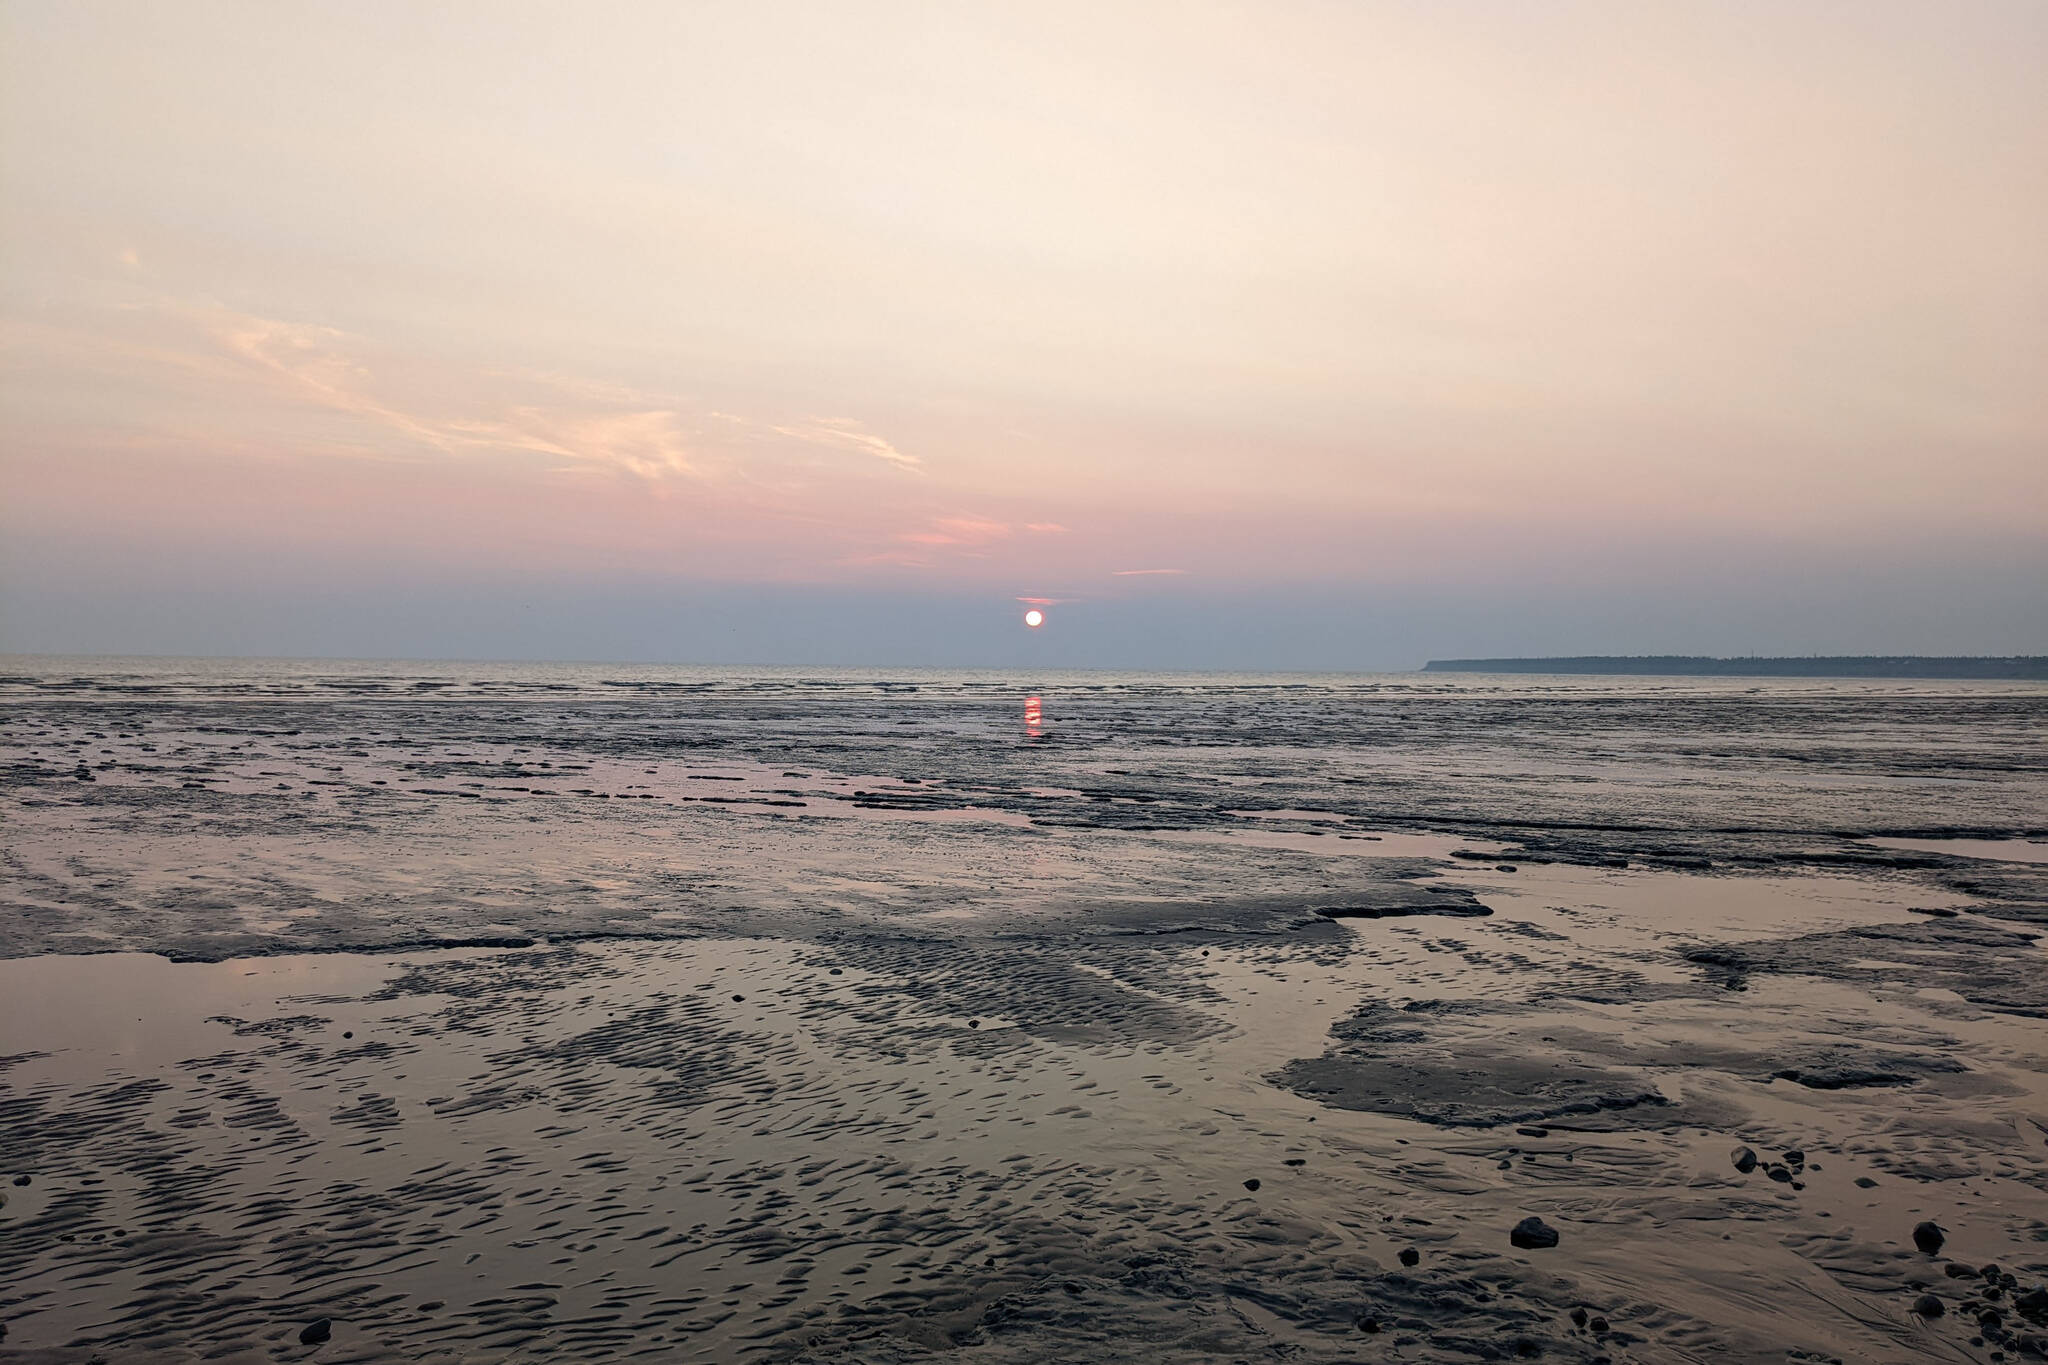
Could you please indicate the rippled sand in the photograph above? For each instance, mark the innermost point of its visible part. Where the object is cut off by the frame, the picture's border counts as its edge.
(850, 1020)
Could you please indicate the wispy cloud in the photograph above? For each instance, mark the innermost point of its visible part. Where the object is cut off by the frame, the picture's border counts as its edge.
(940, 539)
(844, 433)
(1144, 573)
(320, 364)
(959, 531)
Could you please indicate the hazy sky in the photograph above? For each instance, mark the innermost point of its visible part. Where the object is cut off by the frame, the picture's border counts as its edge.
(1333, 334)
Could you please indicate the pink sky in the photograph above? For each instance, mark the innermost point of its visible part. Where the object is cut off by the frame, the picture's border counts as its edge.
(1022, 300)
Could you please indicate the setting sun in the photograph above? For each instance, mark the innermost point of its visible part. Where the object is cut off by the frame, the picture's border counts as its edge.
(1034, 618)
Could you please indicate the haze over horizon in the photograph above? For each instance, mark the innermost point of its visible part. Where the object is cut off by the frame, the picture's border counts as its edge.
(1245, 336)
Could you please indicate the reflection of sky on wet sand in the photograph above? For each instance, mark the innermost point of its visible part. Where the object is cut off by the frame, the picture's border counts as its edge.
(981, 975)
(1997, 850)
(868, 1045)
(145, 1010)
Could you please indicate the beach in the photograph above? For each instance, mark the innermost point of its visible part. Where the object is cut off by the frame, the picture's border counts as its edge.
(406, 1012)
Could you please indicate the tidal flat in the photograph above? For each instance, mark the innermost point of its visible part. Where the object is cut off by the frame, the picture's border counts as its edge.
(392, 1013)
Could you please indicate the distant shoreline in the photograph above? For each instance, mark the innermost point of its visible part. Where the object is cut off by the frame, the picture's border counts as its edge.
(2007, 667)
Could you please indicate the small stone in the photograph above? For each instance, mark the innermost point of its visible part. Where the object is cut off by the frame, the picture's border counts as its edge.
(737, 998)
(1296, 1161)
(837, 972)
(1864, 1182)
(1795, 1157)
(1533, 1131)
(21, 1180)
(974, 1023)
(1252, 1184)
(1533, 1234)
(1598, 1325)
(1778, 1173)
(348, 1033)
(1410, 1256)
(1578, 1317)
(1928, 1236)
(1369, 1325)
(316, 1332)
(1744, 1159)
(1927, 1306)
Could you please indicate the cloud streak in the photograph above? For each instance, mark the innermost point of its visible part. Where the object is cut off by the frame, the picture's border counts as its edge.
(844, 433)
(317, 364)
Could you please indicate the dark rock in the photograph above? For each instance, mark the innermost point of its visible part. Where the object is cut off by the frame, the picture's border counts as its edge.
(1958, 1271)
(1928, 1236)
(1843, 1077)
(1598, 1325)
(1744, 1159)
(836, 972)
(1410, 1256)
(348, 1033)
(1795, 1158)
(2033, 1306)
(737, 998)
(1506, 867)
(1378, 1068)
(21, 1180)
(1778, 1173)
(1533, 1131)
(1532, 1234)
(1252, 1184)
(1297, 1161)
(1864, 1182)
(974, 1023)
(1927, 1306)
(1402, 899)
(1369, 1325)
(1578, 1317)
(313, 1333)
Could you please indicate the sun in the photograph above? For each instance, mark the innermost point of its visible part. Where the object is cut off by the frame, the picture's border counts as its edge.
(1034, 618)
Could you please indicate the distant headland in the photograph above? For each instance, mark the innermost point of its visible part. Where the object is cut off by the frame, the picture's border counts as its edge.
(2022, 666)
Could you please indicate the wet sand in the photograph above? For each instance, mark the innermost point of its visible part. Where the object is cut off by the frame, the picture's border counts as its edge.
(1219, 1020)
